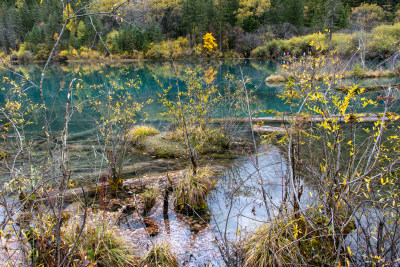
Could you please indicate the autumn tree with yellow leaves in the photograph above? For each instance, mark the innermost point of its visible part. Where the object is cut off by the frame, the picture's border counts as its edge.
(209, 43)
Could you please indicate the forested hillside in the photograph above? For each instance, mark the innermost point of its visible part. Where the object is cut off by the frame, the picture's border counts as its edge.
(174, 28)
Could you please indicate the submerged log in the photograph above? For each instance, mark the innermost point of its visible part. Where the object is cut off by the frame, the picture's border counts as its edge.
(164, 180)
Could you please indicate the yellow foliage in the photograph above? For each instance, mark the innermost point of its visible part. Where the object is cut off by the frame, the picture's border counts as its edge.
(251, 8)
(209, 42)
(170, 49)
(72, 24)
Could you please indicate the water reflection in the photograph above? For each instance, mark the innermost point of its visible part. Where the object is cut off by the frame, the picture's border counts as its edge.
(238, 204)
(59, 76)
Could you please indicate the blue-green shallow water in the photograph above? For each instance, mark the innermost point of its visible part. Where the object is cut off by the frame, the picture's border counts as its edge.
(58, 77)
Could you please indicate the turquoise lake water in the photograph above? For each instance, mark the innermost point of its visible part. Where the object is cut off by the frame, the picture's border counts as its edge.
(59, 76)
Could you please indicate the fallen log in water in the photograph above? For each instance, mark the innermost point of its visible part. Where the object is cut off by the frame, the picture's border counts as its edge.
(268, 129)
(163, 180)
(362, 118)
(73, 194)
(372, 88)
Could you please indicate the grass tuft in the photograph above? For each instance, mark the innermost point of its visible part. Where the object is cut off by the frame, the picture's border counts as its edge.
(192, 190)
(160, 254)
(149, 198)
(99, 244)
(162, 146)
(276, 79)
(291, 241)
(140, 132)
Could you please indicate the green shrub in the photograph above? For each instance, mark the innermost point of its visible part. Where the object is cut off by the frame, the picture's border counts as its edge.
(112, 41)
(384, 41)
(299, 45)
(397, 16)
(43, 51)
(230, 54)
(357, 71)
(24, 53)
(3, 55)
(276, 46)
(86, 53)
(64, 55)
(344, 44)
(260, 52)
(387, 30)
(160, 254)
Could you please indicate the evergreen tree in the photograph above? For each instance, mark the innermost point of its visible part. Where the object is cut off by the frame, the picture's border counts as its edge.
(195, 15)
(294, 12)
(314, 15)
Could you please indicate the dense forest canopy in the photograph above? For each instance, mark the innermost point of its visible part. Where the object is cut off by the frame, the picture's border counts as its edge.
(32, 26)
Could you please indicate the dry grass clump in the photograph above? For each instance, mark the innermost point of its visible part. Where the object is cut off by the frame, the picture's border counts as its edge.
(162, 145)
(208, 141)
(149, 198)
(98, 243)
(378, 73)
(160, 254)
(276, 79)
(291, 240)
(267, 246)
(192, 190)
(140, 132)
(360, 73)
(172, 144)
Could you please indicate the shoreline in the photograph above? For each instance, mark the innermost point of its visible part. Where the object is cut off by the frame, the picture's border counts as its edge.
(280, 79)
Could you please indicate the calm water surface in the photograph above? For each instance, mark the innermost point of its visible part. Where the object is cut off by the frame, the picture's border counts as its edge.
(59, 76)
